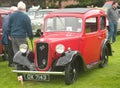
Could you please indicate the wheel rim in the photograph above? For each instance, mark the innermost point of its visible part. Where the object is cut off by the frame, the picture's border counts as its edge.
(105, 58)
(70, 73)
(73, 73)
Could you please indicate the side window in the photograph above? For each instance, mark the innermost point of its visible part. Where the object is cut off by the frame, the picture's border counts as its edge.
(91, 25)
(102, 22)
(49, 24)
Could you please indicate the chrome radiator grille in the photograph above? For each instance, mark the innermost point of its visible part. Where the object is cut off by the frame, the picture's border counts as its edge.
(42, 54)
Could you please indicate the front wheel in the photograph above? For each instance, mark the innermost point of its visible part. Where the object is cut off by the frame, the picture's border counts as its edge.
(70, 73)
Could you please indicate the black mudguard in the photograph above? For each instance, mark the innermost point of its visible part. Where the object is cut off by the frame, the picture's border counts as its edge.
(22, 59)
(106, 42)
(66, 58)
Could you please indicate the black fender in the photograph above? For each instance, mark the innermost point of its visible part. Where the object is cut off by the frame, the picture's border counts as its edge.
(70, 56)
(23, 59)
(106, 43)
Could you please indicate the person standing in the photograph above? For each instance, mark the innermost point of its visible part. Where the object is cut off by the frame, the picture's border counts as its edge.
(19, 27)
(5, 40)
(113, 16)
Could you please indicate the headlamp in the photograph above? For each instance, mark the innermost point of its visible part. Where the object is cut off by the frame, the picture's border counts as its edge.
(60, 48)
(23, 48)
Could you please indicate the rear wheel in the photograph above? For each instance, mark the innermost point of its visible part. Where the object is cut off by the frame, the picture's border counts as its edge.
(70, 73)
(104, 57)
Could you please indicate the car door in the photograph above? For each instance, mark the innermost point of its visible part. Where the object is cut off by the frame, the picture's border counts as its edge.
(91, 40)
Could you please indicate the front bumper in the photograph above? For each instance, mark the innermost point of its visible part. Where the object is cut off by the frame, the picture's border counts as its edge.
(39, 72)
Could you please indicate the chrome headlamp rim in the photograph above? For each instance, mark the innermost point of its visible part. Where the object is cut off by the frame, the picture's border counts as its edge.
(60, 48)
(23, 48)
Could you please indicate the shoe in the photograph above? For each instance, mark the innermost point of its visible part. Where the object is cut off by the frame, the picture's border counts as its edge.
(10, 65)
(2, 60)
(113, 51)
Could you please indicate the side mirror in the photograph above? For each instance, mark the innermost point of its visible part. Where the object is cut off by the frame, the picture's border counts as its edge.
(38, 33)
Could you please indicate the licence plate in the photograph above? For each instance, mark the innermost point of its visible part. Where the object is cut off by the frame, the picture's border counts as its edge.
(37, 77)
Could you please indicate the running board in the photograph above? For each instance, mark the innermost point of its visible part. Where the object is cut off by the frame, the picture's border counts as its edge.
(39, 72)
(90, 66)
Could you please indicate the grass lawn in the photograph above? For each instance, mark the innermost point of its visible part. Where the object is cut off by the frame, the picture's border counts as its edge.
(108, 77)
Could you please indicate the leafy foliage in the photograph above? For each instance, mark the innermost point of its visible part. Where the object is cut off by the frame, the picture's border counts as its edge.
(85, 3)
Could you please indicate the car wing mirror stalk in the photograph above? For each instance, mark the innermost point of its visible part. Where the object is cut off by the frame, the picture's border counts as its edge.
(39, 33)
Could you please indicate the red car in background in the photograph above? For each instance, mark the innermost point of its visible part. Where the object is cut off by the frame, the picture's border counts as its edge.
(108, 4)
(73, 40)
(2, 51)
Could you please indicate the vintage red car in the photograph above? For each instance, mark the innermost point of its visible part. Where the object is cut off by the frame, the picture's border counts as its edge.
(74, 39)
(2, 51)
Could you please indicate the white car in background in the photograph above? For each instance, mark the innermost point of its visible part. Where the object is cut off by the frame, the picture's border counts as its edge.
(37, 19)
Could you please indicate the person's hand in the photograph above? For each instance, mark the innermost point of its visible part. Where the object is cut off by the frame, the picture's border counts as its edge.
(9, 37)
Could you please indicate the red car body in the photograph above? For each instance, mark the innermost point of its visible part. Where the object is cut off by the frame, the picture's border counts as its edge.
(2, 13)
(108, 4)
(74, 39)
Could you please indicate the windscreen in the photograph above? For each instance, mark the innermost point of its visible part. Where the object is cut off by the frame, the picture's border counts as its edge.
(72, 24)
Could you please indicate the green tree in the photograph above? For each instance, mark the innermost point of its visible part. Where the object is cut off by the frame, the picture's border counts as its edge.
(60, 2)
(84, 3)
(91, 2)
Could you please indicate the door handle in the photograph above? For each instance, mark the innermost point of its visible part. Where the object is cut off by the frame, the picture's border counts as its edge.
(99, 37)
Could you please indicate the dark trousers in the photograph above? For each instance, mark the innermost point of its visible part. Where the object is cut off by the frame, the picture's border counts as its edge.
(112, 33)
(16, 42)
(10, 52)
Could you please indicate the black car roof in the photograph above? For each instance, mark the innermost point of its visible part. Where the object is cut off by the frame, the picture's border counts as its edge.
(78, 10)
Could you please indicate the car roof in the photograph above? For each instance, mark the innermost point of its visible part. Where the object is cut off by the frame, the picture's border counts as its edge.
(43, 10)
(4, 11)
(87, 11)
(46, 9)
(78, 11)
(74, 10)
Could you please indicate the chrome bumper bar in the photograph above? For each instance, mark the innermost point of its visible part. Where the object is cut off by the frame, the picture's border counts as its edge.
(39, 72)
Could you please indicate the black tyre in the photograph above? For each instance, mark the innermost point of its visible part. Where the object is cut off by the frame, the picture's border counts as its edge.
(71, 73)
(104, 57)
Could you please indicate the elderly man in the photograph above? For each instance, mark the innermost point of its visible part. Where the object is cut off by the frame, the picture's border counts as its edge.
(19, 27)
(5, 40)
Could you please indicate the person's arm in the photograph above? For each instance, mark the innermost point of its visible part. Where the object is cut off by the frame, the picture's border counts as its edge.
(108, 14)
(9, 26)
(29, 28)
